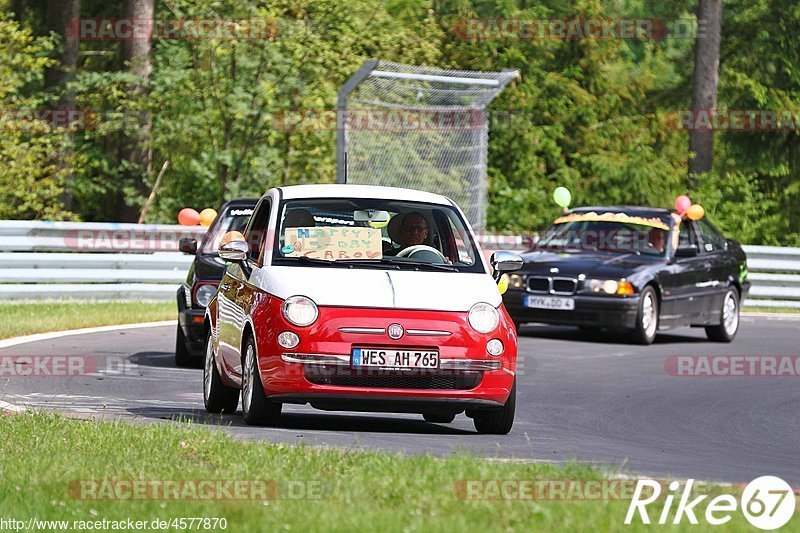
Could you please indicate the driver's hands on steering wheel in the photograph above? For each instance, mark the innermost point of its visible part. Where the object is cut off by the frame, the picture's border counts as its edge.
(411, 250)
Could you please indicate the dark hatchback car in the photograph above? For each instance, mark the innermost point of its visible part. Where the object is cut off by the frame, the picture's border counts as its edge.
(631, 269)
(203, 279)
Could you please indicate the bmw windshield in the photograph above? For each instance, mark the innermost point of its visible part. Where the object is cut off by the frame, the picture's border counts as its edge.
(607, 232)
(234, 218)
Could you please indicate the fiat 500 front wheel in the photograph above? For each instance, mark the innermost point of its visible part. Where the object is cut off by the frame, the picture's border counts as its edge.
(257, 409)
(217, 397)
(497, 421)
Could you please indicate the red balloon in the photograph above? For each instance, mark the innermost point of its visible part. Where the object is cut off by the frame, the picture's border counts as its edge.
(188, 217)
(682, 204)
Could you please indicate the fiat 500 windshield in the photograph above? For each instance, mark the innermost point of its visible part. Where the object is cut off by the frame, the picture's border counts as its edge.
(373, 233)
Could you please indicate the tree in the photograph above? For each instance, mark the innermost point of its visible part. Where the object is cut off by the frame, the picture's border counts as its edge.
(136, 154)
(706, 78)
(58, 15)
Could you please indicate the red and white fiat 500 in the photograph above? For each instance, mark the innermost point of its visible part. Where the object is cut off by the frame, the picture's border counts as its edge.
(362, 298)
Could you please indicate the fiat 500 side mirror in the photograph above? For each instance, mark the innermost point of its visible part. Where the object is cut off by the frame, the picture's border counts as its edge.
(234, 251)
(503, 261)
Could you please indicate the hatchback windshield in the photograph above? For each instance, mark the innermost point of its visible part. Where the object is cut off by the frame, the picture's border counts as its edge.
(608, 232)
(374, 233)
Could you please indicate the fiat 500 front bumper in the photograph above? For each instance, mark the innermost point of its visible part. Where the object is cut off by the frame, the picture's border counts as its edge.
(321, 369)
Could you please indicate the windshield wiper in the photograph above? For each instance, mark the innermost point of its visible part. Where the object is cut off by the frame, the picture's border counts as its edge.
(397, 263)
(434, 266)
(346, 263)
(368, 262)
(306, 259)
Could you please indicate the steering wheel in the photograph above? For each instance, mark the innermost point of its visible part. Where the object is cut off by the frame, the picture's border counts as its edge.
(406, 252)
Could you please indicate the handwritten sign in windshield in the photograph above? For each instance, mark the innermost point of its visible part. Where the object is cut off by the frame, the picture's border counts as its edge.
(333, 243)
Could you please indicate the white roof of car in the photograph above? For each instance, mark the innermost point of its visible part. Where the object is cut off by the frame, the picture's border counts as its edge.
(347, 190)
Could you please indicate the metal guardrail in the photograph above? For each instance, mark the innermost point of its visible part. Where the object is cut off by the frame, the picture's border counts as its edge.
(45, 236)
(59, 260)
(775, 274)
(85, 260)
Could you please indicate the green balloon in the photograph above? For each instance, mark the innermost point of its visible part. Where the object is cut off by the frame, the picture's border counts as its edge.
(562, 196)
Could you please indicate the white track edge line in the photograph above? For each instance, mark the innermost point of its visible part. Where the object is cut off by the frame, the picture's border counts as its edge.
(14, 341)
(10, 407)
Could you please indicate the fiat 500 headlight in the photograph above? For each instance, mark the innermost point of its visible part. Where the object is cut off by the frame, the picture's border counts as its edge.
(607, 286)
(300, 311)
(204, 293)
(483, 317)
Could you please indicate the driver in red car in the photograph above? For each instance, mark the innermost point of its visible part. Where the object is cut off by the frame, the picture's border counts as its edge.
(412, 231)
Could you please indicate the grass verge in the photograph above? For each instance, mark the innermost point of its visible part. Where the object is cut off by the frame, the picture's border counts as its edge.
(43, 455)
(25, 318)
(773, 310)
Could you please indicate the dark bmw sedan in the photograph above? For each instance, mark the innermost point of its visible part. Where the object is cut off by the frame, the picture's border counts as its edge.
(203, 278)
(634, 270)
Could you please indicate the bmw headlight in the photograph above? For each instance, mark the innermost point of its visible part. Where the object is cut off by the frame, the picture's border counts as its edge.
(607, 286)
(300, 311)
(516, 281)
(204, 293)
(483, 317)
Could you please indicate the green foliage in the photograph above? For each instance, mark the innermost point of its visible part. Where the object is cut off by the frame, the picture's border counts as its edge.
(219, 107)
(587, 124)
(759, 71)
(592, 115)
(32, 177)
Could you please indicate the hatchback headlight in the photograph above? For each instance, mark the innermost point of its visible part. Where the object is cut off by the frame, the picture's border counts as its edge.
(483, 317)
(300, 311)
(204, 293)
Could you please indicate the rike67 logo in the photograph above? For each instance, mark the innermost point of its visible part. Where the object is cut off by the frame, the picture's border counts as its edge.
(767, 502)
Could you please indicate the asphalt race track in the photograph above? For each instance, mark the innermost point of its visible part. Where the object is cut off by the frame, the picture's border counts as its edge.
(581, 396)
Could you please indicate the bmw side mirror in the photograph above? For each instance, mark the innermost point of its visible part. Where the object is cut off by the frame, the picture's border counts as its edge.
(187, 245)
(687, 251)
(234, 247)
(503, 261)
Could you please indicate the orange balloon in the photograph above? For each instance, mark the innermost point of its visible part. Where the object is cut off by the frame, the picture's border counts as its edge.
(231, 236)
(207, 216)
(188, 217)
(695, 212)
